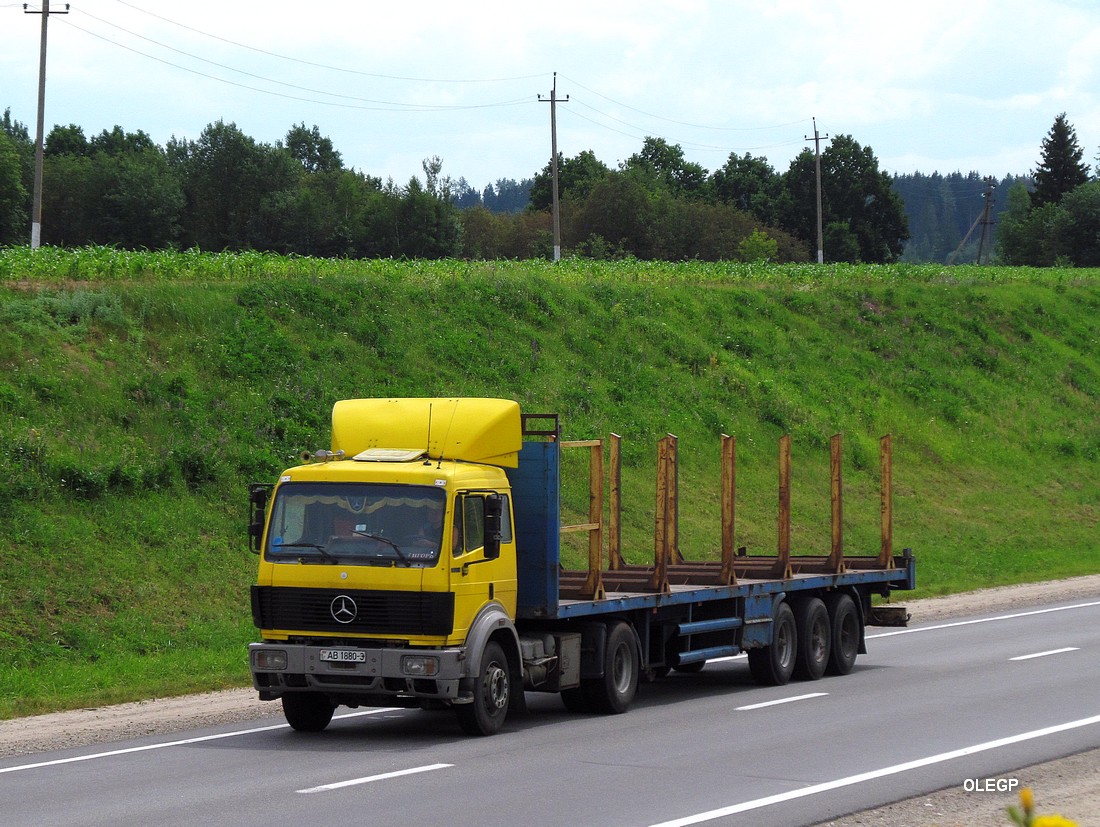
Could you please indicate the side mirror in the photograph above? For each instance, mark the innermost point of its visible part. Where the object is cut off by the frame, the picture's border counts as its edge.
(494, 511)
(258, 494)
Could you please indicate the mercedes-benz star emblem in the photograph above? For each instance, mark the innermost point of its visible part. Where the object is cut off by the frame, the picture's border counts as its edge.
(343, 609)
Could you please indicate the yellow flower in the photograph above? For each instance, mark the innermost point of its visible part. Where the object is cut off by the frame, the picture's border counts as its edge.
(1027, 800)
(1053, 821)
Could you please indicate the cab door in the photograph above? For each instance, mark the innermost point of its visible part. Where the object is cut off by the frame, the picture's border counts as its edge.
(478, 578)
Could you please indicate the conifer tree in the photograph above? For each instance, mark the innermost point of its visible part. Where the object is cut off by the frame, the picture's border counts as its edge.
(1061, 169)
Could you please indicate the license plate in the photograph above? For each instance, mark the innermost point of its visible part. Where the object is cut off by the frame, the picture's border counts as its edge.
(344, 655)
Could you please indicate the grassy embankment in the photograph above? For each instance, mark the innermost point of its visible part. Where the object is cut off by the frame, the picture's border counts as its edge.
(139, 393)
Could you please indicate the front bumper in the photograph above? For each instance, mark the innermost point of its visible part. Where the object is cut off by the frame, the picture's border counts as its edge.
(383, 677)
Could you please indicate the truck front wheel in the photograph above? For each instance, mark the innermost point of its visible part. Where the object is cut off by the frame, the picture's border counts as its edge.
(306, 712)
(492, 691)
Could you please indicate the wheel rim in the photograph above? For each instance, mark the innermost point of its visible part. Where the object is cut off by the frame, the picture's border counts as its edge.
(819, 641)
(622, 669)
(849, 634)
(784, 644)
(496, 687)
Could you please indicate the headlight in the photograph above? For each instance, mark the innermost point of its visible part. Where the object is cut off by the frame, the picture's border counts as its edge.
(272, 659)
(419, 666)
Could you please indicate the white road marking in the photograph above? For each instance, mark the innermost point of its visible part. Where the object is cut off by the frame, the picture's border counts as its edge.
(352, 782)
(984, 620)
(814, 789)
(182, 743)
(781, 701)
(1044, 654)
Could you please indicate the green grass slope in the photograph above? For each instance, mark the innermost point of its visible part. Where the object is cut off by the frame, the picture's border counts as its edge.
(140, 393)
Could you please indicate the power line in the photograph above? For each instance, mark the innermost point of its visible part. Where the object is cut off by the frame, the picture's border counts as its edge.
(384, 106)
(252, 74)
(373, 104)
(682, 143)
(320, 65)
(376, 104)
(684, 123)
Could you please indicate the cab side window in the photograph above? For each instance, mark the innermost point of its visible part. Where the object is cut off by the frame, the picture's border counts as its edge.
(473, 513)
(469, 527)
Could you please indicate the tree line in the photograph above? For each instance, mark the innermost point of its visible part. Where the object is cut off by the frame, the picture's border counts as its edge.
(1051, 216)
(222, 191)
(946, 212)
(227, 191)
(1057, 220)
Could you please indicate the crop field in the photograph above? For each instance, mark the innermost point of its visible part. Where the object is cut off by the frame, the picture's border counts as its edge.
(141, 392)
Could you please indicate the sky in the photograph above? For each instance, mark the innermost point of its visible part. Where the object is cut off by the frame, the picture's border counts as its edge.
(936, 86)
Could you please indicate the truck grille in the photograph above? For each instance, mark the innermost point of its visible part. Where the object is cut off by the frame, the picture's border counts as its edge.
(376, 612)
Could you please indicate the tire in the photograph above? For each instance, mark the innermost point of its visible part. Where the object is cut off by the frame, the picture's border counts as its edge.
(847, 630)
(492, 693)
(814, 639)
(306, 712)
(773, 665)
(613, 693)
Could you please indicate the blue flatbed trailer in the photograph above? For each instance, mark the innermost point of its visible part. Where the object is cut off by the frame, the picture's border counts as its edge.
(685, 613)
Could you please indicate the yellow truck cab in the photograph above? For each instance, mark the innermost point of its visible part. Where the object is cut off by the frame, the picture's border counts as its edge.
(381, 558)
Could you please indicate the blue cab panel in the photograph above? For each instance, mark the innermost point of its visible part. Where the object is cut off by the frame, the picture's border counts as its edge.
(537, 510)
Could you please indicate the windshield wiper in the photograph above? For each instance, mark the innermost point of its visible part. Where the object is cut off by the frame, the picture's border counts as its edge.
(329, 556)
(387, 541)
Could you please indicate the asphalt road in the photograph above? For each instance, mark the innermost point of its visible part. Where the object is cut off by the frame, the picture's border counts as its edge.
(951, 704)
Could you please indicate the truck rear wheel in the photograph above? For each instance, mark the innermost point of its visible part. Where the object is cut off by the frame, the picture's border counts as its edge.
(846, 632)
(814, 639)
(306, 712)
(492, 692)
(773, 665)
(615, 691)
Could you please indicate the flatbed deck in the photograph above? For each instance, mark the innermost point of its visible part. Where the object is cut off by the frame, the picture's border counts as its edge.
(631, 587)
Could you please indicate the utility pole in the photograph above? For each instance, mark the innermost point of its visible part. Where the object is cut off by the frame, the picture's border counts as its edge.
(987, 221)
(817, 139)
(966, 238)
(36, 220)
(553, 100)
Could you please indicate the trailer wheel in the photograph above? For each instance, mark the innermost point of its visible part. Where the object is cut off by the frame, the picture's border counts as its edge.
(614, 692)
(492, 689)
(814, 639)
(306, 712)
(845, 624)
(773, 665)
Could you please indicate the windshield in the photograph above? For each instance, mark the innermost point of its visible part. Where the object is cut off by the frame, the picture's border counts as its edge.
(356, 524)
